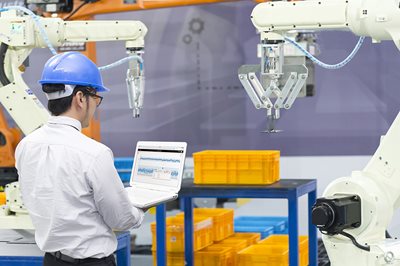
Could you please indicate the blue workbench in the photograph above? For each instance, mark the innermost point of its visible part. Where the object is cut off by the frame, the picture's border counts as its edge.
(290, 189)
(30, 255)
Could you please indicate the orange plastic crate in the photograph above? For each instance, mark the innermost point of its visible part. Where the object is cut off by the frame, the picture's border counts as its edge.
(175, 241)
(236, 244)
(173, 258)
(222, 220)
(215, 256)
(251, 238)
(209, 256)
(264, 255)
(236, 167)
(283, 240)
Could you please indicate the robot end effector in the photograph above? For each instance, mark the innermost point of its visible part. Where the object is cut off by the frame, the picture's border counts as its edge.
(135, 78)
(133, 32)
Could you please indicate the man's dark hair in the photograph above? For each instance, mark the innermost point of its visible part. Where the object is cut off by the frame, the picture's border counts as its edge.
(60, 106)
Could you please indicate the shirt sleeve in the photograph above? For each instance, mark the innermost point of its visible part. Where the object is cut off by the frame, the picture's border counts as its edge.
(110, 197)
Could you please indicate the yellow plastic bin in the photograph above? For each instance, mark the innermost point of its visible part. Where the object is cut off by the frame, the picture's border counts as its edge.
(214, 256)
(264, 255)
(222, 220)
(251, 238)
(209, 256)
(236, 244)
(283, 240)
(236, 167)
(173, 258)
(175, 241)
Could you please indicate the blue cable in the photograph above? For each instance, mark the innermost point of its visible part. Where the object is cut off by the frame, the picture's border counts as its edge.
(123, 60)
(328, 66)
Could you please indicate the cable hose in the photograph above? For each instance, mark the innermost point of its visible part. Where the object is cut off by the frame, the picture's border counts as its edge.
(122, 61)
(329, 66)
(366, 248)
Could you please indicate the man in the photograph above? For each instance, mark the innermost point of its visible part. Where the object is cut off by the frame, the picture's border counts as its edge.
(68, 181)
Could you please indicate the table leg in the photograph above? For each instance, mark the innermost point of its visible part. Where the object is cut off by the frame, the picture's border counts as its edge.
(188, 208)
(293, 230)
(160, 234)
(312, 232)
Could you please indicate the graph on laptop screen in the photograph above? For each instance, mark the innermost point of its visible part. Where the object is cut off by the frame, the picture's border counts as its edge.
(158, 166)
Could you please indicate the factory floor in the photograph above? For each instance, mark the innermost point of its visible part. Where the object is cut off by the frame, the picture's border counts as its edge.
(141, 260)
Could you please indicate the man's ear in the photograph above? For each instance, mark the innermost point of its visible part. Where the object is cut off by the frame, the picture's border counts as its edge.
(79, 99)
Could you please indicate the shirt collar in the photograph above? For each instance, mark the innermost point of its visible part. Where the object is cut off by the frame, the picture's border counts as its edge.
(65, 120)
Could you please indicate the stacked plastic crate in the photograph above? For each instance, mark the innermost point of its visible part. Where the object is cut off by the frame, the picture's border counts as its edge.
(215, 243)
(265, 225)
(273, 251)
(244, 247)
(223, 248)
(175, 241)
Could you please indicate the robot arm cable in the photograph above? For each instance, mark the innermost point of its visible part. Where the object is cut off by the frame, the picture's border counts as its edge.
(328, 66)
(122, 61)
(366, 248)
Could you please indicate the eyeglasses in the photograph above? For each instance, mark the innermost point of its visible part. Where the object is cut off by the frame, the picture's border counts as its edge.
(98, 98)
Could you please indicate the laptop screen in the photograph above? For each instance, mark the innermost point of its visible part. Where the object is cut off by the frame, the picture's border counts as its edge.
(162, 165)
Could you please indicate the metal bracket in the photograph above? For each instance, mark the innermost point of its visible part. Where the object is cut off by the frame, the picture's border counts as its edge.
(260, 90)
(243, 74)
(297, 87)
(285, 91)
(260, 96)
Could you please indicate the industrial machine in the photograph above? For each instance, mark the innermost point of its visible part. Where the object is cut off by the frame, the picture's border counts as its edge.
(354, 211)
(281, 75)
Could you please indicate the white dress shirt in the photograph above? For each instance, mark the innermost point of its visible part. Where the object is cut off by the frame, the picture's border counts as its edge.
(72, 191)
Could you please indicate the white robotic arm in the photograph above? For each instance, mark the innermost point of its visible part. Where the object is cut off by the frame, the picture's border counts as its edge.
(282, 79)
(19, 35)
(355, 211)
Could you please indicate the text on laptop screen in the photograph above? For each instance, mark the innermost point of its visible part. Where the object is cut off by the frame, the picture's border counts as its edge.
(158, 166)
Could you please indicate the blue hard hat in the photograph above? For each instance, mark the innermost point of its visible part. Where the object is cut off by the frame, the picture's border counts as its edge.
(72, 68)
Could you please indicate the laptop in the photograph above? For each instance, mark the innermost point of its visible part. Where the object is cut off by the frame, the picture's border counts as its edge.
(156, 173)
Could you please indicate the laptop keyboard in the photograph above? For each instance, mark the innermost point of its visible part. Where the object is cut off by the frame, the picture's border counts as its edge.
(144, 192)
(144, 195)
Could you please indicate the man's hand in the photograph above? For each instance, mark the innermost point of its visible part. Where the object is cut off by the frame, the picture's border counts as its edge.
(145, 209)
